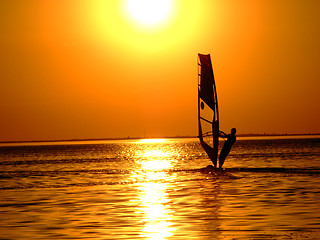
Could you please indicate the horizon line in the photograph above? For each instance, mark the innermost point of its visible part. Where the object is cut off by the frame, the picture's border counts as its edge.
(157, 137)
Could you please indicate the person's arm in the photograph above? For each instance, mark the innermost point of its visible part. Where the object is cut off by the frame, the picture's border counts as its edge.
(222, 134)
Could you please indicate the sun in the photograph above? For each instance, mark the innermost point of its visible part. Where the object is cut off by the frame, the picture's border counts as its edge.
(149, 13)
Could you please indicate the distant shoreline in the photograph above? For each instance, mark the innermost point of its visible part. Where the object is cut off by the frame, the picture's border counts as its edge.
(137, 138)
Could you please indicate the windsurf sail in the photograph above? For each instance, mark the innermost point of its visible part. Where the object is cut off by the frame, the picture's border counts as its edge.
(208, 114)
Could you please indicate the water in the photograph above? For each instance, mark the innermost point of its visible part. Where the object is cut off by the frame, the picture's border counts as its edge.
(156, 190)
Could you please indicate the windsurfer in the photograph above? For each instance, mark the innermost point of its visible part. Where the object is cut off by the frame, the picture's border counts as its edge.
(231, 138)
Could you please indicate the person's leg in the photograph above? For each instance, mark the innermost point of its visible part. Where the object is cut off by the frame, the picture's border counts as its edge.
(222, 157)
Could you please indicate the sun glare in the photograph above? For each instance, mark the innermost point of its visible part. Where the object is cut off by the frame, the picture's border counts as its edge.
(149, 13)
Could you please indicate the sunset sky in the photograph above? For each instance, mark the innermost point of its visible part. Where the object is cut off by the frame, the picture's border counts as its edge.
(116, 68)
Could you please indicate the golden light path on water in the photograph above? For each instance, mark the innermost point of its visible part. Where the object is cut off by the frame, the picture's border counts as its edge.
(153, 200)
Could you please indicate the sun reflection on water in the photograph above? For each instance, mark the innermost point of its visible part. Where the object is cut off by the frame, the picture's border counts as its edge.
(156, 214)
(154, 159)
(153, 140)
(153, 200)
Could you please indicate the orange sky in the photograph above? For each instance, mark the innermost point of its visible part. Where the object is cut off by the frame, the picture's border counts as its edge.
(85, 69)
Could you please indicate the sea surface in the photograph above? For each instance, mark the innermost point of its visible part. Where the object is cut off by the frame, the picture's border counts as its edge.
(157, 189)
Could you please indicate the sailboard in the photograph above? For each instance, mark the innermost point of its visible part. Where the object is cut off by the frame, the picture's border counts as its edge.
(208, 113)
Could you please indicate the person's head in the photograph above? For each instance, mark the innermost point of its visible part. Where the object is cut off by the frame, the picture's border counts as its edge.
(233, 131)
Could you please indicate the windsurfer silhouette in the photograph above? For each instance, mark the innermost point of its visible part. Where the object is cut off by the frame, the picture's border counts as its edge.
(231, 138)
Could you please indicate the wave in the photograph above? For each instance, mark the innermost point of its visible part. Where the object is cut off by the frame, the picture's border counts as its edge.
(97, 183)
(276, 170)
(120, 174)
(211, 169)
(59, 161)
